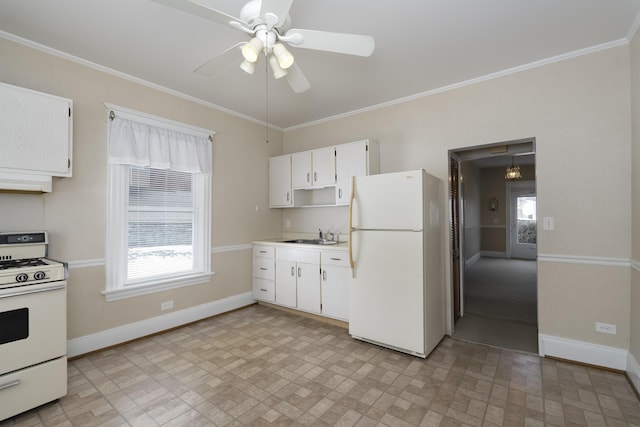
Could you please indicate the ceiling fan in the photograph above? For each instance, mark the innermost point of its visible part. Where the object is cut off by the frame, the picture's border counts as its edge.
(269, 26)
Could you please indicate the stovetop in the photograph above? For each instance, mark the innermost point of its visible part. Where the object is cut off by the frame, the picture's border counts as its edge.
(23, 260)
(18, 263)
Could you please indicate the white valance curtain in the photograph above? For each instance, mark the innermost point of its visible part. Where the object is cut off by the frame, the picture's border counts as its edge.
(149, 142)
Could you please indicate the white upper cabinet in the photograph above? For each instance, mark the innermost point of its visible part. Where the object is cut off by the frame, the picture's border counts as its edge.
(358, 158)
(280, 194)
(301, 169)
(35, 133)
(320, 177)
(324, 166)
(314, 168)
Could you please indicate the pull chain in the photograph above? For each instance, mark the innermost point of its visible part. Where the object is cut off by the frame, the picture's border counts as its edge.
(266, 84)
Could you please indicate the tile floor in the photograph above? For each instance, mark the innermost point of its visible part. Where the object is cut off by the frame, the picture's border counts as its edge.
(261, 366)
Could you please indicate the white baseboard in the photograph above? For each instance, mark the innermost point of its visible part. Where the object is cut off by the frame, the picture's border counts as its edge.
(468, 263)
(584, 352)
(493, 254)
(633, 371)
(103, 339)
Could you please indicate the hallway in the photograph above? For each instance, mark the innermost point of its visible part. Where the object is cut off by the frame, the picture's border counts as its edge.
(500, 304)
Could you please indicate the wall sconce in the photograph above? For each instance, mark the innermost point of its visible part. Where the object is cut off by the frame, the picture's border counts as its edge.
(493, 204)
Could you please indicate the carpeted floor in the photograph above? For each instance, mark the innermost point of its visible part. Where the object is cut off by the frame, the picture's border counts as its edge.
(500, 304)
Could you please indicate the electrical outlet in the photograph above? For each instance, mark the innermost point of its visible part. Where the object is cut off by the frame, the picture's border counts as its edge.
(605, 328)
(166, 305)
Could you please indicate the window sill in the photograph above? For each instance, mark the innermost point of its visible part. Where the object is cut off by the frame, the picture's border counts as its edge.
(137, 290)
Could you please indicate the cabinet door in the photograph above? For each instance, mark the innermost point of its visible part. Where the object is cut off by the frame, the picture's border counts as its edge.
(324, 166)
(35, 132)
(335, 291)
(301, 175)
(286, 274)
(308, 287)
(351, 160)
(280, 181)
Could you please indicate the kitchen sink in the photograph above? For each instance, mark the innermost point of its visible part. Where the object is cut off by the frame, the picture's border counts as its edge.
(312, 241)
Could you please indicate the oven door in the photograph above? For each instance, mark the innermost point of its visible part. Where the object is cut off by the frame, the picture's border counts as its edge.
(33, 323)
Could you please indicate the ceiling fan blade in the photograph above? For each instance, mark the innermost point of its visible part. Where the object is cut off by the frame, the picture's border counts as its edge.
(297, 80)
(280, 8)
(199, 8)
(219, 62)
(350, 44)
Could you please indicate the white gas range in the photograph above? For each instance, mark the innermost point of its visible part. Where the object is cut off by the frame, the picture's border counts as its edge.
(33, 324)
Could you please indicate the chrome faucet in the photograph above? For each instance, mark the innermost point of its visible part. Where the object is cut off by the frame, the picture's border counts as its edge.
(321, 235)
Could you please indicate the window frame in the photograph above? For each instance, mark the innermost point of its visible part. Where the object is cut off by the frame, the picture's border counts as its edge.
(116, 239)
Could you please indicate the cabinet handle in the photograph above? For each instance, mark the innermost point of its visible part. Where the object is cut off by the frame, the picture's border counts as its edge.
(308, 177)
(299, 272)
(288, 196)
(324, 275)
(263, 252)
(9, 384)
(263, 290)
(336, 259)
(263, 268)
(315, 176)
(351, 199)
(340, 193)
(293, 271)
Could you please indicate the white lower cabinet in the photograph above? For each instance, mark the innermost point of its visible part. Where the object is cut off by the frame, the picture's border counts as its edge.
(298, 279)
(335, 280)
(311, 280)
(264, 276)
(309, 287)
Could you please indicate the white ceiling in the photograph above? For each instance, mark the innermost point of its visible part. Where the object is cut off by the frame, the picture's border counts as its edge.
(421, 46)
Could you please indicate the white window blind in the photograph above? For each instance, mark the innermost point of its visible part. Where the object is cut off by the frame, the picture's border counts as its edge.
(158, 221)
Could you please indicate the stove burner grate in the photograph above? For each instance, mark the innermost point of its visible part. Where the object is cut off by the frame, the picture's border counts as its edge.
(17, 263)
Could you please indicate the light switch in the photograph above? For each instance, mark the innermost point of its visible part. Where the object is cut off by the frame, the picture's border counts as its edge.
(548, 223)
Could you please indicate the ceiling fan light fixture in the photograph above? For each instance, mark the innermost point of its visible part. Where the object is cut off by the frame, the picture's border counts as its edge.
(251, 50)
(278, 71)
(284, 57)
(248, 67)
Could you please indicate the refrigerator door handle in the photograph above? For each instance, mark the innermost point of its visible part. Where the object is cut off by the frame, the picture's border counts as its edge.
(351, 199)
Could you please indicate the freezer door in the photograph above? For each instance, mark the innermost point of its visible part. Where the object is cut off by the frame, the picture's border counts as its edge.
(386, 292)
(392, 201)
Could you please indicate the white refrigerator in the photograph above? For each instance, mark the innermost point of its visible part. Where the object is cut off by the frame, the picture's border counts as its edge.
(396, 251)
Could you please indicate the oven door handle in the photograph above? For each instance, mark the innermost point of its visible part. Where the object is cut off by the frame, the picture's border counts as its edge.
(34, 291)
(9, 384)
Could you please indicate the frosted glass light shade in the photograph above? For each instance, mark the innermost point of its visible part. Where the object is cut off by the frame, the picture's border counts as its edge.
(248, 67)
(278, 72)
(252, 49)
(285, 59)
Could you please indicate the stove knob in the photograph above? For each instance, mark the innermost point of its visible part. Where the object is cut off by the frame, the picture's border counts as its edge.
(38, 275)
(22, 277)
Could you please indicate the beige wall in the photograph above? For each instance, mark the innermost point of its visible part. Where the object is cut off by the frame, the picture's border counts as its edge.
(635, 196)
(577, 109)
(74, 213)
(471, 194)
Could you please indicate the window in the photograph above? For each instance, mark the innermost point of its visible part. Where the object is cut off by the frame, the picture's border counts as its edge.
(158, 215)
(526, 219)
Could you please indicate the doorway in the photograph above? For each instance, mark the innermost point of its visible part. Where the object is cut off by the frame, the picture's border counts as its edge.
(494, 245)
